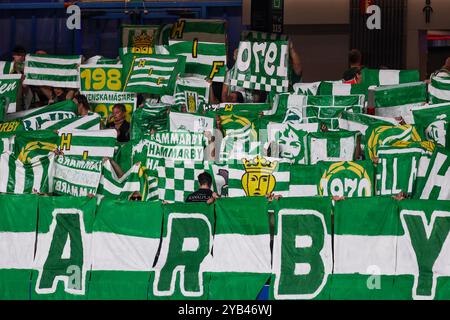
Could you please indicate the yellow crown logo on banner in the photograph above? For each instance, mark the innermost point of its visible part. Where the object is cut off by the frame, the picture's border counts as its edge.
(258, 179)
(142, 43)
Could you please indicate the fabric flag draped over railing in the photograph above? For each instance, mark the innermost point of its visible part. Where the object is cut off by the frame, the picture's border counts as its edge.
(52, 70)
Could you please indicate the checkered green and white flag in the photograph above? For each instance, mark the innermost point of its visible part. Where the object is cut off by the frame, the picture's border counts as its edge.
(92, 144)
(52, 71)
(399, 100)
(6, 67)
(433, 122)
(205, 30)
(192, 92)
(262, 66)
(178, 179)
(439, 89)
(18, 177)
(203, 59)
(154, 74)
(75, 177)
(375, 77)
(331, 146)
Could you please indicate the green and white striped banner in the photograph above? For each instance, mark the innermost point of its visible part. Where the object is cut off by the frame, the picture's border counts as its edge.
(88, 143)
(399, 100)
(154, 74)
(149, 117)
(76, 177)
(360, 122)
(302, 261)
(63, 248)
(124, 249)
(6, 67)
(338, 88)
(192, 92)
(439, 89)
(18, 177)
(17, 238)
(34, 119)
(52, 71)
(241, 263)
(257, 36)
(88, 122)
(205, 30)
(375, 77)
(203, 59)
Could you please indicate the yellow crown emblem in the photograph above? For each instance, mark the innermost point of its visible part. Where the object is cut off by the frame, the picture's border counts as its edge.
(259, 165)
(143, 40)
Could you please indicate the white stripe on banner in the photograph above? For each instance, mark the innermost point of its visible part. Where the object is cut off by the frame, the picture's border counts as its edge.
(155, 68)
(17, 250)
(52, 71)
(9, 76)
(389, 77)
(241, 253)
(156, 60)
(19, 178)
(4, 172)
(52, 60)
(116, 252)
(438, 93)
(107, 133)
(78, 177)
(51, 83)
(150, 84)
(341, 89)
(202, 59)
(152, 76)
(92, 151)
(38, 174)
(303, 190)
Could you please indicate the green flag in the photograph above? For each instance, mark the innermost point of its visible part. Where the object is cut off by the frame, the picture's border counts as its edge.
(63, 251)
(302, 249)
(187, 240)
(139, 38)
(205, 30)
(241, 262)
(149, 117)
(347, 179)
(124, 249)
(74, 176)
(433, 122)
(338, 88)
(192, 92)
(17, 233)
(439, 89)
(52, 70)
(92, 144)
(375, 77)
(399, 100)
(154, 74)
(6, 67)
(331, 146)
(203, 59)
(9, 85)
